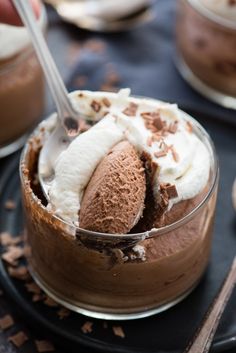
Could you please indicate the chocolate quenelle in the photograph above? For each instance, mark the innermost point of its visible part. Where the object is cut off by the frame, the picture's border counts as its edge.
(125, 230)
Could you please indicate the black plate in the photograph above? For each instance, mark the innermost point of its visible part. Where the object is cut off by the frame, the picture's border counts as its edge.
(169, 331)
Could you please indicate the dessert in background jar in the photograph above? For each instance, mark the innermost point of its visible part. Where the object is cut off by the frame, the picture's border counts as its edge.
(125, 230)
(21, 86)
(206, 43)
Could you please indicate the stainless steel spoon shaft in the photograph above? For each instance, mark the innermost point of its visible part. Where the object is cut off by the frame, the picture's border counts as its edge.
(201, 342)
(54, 80)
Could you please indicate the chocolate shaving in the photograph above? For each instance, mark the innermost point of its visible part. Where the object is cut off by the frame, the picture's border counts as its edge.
(62, 313)
(87, 327)
(10, 205)
(33, 288)
(6, 322)
(96, 106)
(12, 254)
(160, 154)
(37, 297)
(171, 191)
(106, 102)
(18, 339)
(158, 123)
(189, 127)
(173, 127)
(50, 302)
(21, 272)
(7, 239)
(44, 346)
(118, 331)
(174, 154)
(131, 110)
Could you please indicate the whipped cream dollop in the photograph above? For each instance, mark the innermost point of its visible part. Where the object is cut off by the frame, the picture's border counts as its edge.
(15, 38)
(223, 8)
(180, 157)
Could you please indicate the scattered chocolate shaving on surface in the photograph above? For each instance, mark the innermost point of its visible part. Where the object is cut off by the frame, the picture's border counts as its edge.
(50, 302)
(96, 106)
(171, 191)
(33, 288)
(160, 154)
(118, 331)
(131, 110)
(20, 272)
(10, 205)
(18, 339)
(87, 327)
(173, 127)
(106, 102)
(189, 127)
(44, 346)
(12, 254)
(158, 123)
(80, 95)
(38, 297)
(63, 313)
(7, 239)
(6, 322)
(174, 154)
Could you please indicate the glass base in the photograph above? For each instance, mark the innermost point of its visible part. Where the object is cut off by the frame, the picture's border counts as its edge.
(13, 146)
(92, 312)
(214, 95)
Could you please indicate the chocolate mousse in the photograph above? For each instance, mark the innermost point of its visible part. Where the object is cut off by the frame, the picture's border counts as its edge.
(126, 228)
(206, 31)
(21, 83)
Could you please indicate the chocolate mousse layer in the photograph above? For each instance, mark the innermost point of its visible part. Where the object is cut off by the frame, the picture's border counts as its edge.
(21, 95)
(207, 47)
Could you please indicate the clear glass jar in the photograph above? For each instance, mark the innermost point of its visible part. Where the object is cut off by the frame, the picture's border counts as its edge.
(21, 94)
(112, 276)
(206, 44)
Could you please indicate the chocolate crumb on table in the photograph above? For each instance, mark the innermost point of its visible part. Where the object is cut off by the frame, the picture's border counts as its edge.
(50, 302)
(12, 254)
(118, 331)
(6, 322)
(63, 313)
(18, 339)
(7, 239)
(20, 272)
(44, 346)
(32, 287)
(87, 327)
(10, 205)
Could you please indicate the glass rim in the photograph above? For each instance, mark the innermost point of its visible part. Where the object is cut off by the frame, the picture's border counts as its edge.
(214, 17)
(149, 233)
(24, 52)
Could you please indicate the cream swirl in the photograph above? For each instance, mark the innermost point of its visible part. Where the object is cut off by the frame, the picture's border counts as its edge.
(182, 158)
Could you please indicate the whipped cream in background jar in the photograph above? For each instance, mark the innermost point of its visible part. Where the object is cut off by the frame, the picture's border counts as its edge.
(21, 86)
(159, 208)
(206, 44)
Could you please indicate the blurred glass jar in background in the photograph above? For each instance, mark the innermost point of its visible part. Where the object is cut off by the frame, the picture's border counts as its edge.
(21, 86)
(206, 43)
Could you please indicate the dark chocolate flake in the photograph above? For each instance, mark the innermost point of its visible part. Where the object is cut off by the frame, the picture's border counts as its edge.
(18, 339)
(6, 322)
(171, 191)
(96, 106)
(131, 110)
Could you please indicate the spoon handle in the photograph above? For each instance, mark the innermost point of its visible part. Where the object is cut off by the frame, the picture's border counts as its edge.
(52, 75)
(202, 340)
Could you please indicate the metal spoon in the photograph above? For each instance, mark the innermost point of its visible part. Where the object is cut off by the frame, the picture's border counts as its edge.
(67, 117)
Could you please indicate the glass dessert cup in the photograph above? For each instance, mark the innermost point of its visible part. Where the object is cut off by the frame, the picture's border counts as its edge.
(206, 52)
(21, 96)
(116, 276)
